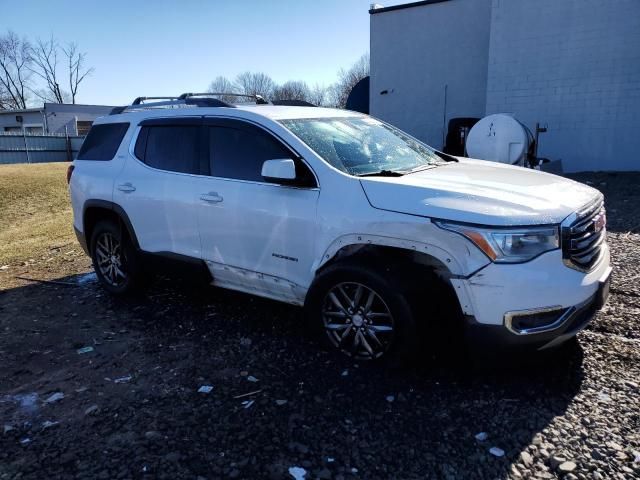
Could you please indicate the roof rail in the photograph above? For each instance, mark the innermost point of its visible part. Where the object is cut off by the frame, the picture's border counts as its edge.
(188, 99)
(258, 98)
(207, 102)
(293, 103)
(138, 104)
(117, 110)
(139, 100)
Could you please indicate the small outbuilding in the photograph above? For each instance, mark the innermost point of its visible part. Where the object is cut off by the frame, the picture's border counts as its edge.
(52, 118)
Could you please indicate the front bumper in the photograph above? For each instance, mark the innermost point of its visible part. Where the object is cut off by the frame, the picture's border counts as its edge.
(499, 300)
(500, 336)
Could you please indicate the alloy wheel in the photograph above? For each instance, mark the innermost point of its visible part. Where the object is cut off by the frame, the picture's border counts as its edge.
(110, 259)
(357, 320)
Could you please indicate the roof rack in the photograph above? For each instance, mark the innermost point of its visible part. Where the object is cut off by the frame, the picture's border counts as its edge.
(139, 100)
(258, 98)
(187, 99)
(293, 103)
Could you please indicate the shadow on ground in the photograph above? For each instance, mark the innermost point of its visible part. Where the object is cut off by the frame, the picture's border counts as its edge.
(131, 407)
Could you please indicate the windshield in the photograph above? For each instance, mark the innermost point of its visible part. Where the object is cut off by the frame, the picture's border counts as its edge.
(362, 145)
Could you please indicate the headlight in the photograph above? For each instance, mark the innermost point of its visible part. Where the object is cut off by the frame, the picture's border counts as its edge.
(509, 245)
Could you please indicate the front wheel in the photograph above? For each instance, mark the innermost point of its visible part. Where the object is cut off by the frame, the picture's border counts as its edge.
(362, 313)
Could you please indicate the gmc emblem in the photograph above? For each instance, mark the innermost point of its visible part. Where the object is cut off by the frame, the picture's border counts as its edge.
(600, 222)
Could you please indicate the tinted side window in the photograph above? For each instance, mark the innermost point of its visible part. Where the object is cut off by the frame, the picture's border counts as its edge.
(239, 153)
(103, 141)
(141, 143)
(175, 148)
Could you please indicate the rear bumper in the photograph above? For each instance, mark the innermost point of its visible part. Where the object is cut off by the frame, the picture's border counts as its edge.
(82, 240)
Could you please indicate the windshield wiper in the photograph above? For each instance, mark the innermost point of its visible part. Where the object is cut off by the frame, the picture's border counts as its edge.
(422, 167)
(382, 173)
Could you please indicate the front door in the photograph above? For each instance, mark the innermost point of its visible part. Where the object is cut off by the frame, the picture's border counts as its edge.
(256, 236)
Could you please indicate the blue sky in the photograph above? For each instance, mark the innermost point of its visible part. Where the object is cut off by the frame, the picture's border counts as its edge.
(166, 47)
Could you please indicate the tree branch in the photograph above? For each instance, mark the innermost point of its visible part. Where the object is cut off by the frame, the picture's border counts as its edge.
(77, 71)
(45, 65)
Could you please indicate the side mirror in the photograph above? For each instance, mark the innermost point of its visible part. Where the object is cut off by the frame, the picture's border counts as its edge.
(284, 169)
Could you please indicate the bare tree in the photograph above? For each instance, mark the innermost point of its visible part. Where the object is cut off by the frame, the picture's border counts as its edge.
(251, 83)
(77, 70)
(291, 90)
(222, 84)
(6, 102)
(44, 64)
(318, 95)
(20, 62)
(15, 76)
(347, 79)
(5, 99)
(333, 96)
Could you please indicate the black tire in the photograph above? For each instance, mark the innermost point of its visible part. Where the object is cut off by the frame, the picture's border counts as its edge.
(325, 317)
(120, 272)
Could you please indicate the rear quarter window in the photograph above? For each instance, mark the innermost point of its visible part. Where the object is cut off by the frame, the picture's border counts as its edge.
(103, 141)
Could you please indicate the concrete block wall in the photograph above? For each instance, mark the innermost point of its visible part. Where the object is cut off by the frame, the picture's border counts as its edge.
(416, 51)
(575, 65)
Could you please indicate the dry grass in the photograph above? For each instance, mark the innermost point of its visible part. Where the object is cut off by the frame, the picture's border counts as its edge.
(35, 211)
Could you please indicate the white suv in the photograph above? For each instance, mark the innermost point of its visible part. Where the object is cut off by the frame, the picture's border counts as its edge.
(374, 232)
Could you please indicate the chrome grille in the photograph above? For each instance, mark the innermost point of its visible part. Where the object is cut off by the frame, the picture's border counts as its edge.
(582, 240)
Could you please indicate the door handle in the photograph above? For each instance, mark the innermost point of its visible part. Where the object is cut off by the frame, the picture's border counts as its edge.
(211, 197)
(126, 188)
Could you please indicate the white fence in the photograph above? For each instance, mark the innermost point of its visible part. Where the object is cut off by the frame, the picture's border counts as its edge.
(38, 148)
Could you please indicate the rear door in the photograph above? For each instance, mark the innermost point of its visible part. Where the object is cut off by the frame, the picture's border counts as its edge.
(257, 236)
(157, 186)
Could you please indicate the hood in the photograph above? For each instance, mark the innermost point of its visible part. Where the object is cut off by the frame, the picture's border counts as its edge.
(480, 192)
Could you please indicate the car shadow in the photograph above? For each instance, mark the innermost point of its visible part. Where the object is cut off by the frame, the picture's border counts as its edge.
(279, 399)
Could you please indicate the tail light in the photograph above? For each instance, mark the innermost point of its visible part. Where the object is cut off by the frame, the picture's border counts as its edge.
(69, 173)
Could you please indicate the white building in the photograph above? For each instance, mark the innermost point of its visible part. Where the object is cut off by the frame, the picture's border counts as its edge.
(57, 118)
(573, 65)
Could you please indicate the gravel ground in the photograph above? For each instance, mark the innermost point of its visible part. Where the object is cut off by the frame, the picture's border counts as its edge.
(130, 407)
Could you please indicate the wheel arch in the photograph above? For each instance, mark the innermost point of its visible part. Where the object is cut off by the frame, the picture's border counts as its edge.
(96, 210)
(418, 256)
(423, 253)
(437, 297)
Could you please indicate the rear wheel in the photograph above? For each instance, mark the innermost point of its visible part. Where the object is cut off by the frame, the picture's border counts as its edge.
(114, 258)
(364, 314)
